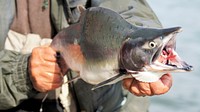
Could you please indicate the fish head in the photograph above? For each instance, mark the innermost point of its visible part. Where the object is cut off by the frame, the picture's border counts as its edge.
(152, 50)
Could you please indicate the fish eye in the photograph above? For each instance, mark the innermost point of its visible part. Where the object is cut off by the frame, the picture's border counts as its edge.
(152, 44)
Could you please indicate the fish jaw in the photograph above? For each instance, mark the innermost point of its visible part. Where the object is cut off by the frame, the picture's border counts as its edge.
(163, 65)
(165, 61)
(169, 62)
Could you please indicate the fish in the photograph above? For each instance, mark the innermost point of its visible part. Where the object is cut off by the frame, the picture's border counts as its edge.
(103, 48)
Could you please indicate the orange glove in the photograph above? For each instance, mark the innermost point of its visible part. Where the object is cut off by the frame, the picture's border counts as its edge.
(154, 88)
(44, 71)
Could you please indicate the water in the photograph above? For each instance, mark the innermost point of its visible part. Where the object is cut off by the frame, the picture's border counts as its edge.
(184, 96)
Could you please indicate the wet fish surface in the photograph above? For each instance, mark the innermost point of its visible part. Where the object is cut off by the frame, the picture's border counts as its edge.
(104, 48)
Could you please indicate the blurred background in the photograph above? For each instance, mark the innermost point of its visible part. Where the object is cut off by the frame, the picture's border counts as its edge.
(184, 95)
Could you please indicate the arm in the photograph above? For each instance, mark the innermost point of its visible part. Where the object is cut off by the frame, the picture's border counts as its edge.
(15, 84)
(22, 76)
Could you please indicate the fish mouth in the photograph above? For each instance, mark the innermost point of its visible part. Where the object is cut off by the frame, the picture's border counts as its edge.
(166, 59)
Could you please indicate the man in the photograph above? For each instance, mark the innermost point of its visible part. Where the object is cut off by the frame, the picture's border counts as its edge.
(29, 74)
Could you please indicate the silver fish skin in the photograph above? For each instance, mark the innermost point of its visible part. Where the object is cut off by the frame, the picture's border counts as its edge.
(104, 48)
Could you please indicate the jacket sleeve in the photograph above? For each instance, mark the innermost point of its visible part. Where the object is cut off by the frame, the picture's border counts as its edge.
(15, 85)
(137, 12)
(7, 9)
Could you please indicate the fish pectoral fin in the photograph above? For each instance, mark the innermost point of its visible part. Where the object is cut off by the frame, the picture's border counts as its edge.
(147, 76)
(140, 76)
(109, 81)
(73, 79)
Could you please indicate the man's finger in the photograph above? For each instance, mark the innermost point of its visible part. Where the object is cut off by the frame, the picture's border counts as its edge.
(167, 80)
(131, 85)
(45, 53)
(161, 86)
(144, 88)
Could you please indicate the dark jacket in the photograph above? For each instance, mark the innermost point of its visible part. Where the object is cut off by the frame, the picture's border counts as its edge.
(15, 85)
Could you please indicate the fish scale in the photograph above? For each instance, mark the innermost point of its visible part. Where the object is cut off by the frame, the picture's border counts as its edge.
(103, 43)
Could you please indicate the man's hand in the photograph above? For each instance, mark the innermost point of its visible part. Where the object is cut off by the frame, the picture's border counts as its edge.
(44, 71)
(154, 88)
